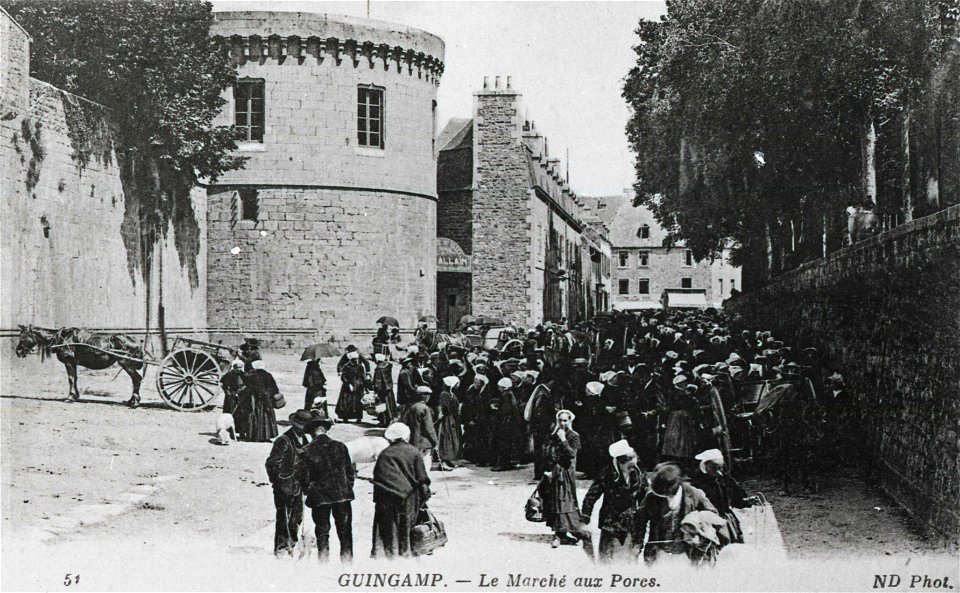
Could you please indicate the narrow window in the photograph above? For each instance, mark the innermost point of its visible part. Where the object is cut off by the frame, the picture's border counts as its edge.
(688, 255)
(686, 283)
(644, 286)
(721, 286)
(624, 287)
(733, 284)
(370, 116)
(644, 259)
(249, 204)
(433, 135)
(623, 258)
(644, 231)
(248, 109)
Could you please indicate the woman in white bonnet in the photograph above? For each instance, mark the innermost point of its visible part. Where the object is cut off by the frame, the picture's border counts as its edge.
(449, 419)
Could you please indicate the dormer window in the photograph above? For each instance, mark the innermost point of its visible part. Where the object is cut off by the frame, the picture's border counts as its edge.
(644, 231)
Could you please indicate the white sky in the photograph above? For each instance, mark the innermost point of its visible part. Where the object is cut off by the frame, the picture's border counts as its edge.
(568, 59)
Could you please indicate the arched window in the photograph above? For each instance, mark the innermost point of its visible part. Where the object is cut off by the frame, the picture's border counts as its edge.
(644, 231)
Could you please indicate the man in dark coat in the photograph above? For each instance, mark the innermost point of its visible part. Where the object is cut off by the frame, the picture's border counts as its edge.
(287, 495)
(622, 486)
(326, 474)
(407, 382)
(543, 410)
(383, 387)
(400, 487)
(419, 418)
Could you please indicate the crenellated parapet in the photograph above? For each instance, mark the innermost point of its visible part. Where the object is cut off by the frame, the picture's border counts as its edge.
(316, 39)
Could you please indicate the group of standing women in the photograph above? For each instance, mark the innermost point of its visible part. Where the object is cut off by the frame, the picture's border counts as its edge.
(249, 394)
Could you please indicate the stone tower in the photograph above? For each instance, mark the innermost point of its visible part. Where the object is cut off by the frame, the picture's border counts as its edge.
(332, 222)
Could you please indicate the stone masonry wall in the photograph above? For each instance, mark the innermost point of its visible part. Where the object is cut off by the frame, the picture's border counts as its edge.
(886, 314)
(455, 218)
(501, 209)
(333, 260)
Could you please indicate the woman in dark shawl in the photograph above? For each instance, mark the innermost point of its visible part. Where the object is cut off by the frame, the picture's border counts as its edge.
(352, 375)
(449, 418)
(475, 436)
(559, 488)
(400, 487)
(315, 383)
(263, 419)
(507, 420)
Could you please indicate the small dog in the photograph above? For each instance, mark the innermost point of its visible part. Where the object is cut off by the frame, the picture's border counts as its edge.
(226, 431)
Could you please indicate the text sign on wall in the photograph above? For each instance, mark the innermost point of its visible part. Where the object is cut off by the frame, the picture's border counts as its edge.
(451, 258)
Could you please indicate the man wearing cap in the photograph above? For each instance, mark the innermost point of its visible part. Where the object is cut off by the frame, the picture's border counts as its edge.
(326, 474)
(407, 382)
(400, 487)
(622, 486)
(722, 491)
(281, 469)
(419, 418)
(661, 511)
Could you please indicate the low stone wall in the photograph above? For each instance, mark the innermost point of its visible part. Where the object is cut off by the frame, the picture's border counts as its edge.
(886, 313)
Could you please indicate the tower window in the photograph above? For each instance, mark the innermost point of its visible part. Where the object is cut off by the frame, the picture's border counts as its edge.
(249, 204)
(370, 116)
(688, 258)
(248, 109)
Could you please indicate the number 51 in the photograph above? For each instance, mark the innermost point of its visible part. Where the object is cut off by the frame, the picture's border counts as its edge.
(71, 579)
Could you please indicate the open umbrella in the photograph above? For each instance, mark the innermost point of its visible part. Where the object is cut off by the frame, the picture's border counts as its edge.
(468, 320)
(319, 351)
(389, 321)
(428, 319)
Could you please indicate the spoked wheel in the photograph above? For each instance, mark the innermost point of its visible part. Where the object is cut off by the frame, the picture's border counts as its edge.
(189, 380)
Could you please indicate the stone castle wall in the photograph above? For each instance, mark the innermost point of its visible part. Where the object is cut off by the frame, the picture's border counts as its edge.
(886, 314)
(70, 252)
(350, 230)
(333, 260)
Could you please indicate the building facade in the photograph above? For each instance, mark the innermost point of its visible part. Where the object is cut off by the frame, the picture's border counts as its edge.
(643, 269)
(331, 223)
(505, 203)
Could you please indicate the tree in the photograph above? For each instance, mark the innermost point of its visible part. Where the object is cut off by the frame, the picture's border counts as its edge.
(755, 122)
(155, 67)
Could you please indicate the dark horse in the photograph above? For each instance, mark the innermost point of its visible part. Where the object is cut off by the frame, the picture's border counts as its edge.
(72, 347)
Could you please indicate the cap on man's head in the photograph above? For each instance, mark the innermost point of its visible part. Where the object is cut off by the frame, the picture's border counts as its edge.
(665, 479)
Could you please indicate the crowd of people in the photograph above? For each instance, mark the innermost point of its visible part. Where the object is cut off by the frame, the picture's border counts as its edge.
(645, 406)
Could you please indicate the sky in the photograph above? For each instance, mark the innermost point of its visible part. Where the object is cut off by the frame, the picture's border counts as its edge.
(568, 59)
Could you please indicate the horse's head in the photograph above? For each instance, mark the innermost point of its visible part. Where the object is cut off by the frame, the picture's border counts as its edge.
(30, 341)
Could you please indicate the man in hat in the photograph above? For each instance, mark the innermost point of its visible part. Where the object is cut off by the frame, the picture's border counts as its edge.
(326, 474)
(661, 511)
(407, 382)
(722, 491)
(419, 418)
(249, 352)
(622, 486)
(287, 495)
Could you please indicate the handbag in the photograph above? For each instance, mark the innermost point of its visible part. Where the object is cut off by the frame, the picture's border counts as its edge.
(428, 534)
(534, 507)
(278, 401)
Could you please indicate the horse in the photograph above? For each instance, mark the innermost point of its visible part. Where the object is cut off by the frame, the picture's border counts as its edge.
(79, 347)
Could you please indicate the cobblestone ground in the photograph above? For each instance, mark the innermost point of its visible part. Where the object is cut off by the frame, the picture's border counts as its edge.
(141, 499)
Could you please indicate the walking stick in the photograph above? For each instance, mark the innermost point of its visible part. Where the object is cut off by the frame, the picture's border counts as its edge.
(436, 452)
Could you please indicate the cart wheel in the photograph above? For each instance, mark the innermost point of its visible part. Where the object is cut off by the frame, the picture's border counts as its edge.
(189, 380)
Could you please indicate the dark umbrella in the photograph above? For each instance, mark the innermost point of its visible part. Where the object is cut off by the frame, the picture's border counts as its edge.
(428, 319)
(319, 351)
(389, 321)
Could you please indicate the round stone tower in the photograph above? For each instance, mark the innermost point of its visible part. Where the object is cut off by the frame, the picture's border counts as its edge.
(332, 222)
